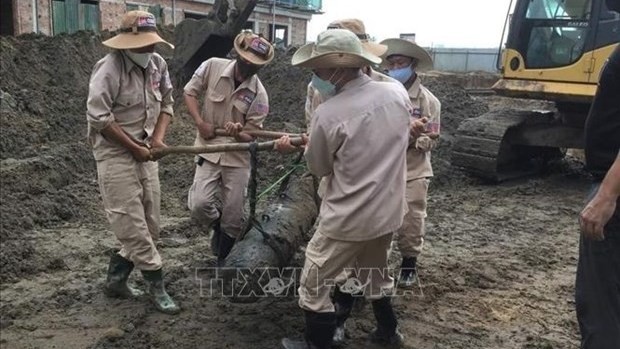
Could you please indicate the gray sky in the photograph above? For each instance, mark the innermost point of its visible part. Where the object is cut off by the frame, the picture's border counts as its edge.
(451, 23)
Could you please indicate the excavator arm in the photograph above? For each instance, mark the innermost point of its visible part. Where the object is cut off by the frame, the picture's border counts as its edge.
(199, 40)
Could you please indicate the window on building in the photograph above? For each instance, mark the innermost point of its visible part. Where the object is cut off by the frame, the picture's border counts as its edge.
(280, 36)
(194, 15)
(6, 18)
(304, 5)
(69, 16)
(248, 25)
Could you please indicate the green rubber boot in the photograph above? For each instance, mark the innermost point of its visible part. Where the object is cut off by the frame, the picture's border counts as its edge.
(116, 281)
(157, 293)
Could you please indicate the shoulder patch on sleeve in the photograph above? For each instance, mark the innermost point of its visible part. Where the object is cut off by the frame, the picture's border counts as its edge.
(262, 108)
(167, 81)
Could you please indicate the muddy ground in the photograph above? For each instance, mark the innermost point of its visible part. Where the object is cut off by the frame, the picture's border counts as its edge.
(497, 270)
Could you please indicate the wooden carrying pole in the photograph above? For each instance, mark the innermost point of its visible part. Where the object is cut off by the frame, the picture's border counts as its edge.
(218, 148)
(258, 133)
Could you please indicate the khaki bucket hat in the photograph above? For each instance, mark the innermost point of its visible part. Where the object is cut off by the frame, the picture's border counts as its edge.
(358, 28)
(138, 29)
(407, 48)
(334, 48)
(253, 48)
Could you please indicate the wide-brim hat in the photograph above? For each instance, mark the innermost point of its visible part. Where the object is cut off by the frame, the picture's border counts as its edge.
(358, 28)
(410, 49)
(334, 48)
(254, 48)
(138, 29)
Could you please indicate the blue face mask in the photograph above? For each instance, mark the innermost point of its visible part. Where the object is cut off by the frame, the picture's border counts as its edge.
(325, 88)
(401, 74)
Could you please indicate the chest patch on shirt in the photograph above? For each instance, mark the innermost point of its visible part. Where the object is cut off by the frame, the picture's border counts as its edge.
(416, 112)
(246, 97)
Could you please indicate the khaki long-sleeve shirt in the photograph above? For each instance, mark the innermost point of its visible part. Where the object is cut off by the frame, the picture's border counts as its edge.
(425, 104)
(247, 104)
(122, 92)
(358, 141)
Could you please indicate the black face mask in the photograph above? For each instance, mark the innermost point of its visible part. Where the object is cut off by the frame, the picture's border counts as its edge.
(613, 5)
(247, 70)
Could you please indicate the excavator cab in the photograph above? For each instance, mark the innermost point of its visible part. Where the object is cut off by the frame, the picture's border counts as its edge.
(199, 40)
(555, 51)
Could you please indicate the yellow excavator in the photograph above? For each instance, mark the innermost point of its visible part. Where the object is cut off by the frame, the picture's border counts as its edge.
(555, 50)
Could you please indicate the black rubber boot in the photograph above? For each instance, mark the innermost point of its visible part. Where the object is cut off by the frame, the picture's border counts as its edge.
(215, 237)
(386, 332)
(157, 292)
(116, 281)
(343, 302)
(320, 329)
(408, 272)
(226, 244)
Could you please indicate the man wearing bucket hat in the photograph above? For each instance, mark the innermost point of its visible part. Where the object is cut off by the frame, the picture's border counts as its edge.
(403, 60)
(358, 141)
(343, 301)
(314, 97)
(128, 111)
(234, 99)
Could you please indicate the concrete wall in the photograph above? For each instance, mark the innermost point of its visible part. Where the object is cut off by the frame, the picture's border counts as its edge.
(110, 10)
(464, 59)
(32, 16)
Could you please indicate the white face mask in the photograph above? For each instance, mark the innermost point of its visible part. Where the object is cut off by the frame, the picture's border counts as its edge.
(141, 59)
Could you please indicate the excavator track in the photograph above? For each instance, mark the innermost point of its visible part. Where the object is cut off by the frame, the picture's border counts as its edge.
(482, 145)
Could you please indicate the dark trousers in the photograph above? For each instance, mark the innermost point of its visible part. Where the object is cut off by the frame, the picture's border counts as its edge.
(597, 288)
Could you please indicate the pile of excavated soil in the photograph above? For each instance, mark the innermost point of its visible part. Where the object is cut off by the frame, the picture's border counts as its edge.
(47, 172)
(48, 175)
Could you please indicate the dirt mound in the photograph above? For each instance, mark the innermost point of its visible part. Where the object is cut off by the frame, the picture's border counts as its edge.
(47, 171)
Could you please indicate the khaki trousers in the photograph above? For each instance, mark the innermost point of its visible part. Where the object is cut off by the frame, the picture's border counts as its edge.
(326, 261)
(410, 236)
(131, 199)
(229, 183)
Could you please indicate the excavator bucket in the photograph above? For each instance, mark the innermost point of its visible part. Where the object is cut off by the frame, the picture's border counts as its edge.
(199, 40)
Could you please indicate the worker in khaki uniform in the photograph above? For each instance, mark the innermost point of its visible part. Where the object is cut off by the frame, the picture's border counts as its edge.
(234, 99)
(343, 301)
(358, 141)
(403, 60)
(128, 111)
